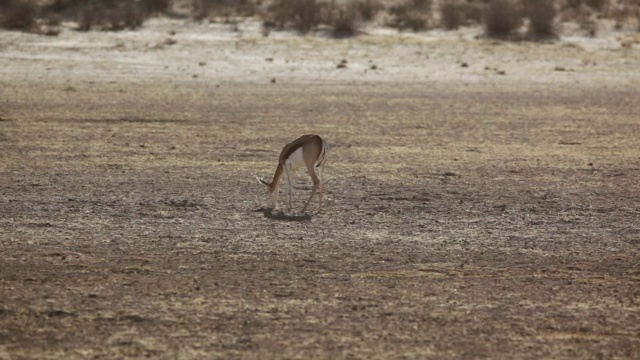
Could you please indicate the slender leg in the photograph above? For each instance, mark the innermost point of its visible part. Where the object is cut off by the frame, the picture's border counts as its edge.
(316, 182)
(321, 171)
(290, 186)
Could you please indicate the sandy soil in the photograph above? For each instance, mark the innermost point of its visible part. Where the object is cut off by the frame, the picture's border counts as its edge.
(482, 197)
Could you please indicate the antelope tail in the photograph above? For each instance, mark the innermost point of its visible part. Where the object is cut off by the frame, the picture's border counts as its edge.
(324, 154)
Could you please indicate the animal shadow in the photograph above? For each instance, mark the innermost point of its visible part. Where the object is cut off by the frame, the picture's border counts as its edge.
(281, 216)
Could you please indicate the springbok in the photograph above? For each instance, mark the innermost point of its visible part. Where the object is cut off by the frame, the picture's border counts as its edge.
(308, 150)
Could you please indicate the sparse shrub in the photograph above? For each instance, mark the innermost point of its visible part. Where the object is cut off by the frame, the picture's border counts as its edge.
(226, 8)
(52, 19)
(502, 18)
(470, 11)
(411, 14)
(127, 16)
(62, 6)
(597, 5)
(343, 19)
(18, 15)
(541, 15)
(302, 15)
(625, 12)
(456, 13)
(87, 17)
(451, 16)
(155, 6)
(368, 9)
(421, 5)
(584, 11)
(111, 16)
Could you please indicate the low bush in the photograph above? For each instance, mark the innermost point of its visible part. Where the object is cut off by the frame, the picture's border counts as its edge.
(541, 15)
(225, 8)
(155, 6)
(456, 13)
(598, 5)
(502, 18)
(411, 14)
(302, 15)
(18, 15)
(343, 19)
(451, 15)
(111, 16)
(368, 9)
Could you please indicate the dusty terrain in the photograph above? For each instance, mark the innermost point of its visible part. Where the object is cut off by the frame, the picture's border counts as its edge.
(482, 197)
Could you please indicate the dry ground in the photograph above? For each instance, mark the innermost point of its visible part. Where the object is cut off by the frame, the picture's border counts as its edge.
(480, 216)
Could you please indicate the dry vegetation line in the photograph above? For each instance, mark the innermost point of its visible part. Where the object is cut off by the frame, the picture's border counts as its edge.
(308, 150)
(506, 19)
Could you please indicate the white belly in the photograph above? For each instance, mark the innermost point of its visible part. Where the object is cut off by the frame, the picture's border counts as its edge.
(295, 160)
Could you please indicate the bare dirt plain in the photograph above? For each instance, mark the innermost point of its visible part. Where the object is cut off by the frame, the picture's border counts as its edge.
(487, 210)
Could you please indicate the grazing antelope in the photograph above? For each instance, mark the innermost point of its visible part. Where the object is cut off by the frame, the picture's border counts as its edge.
(308, 150)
